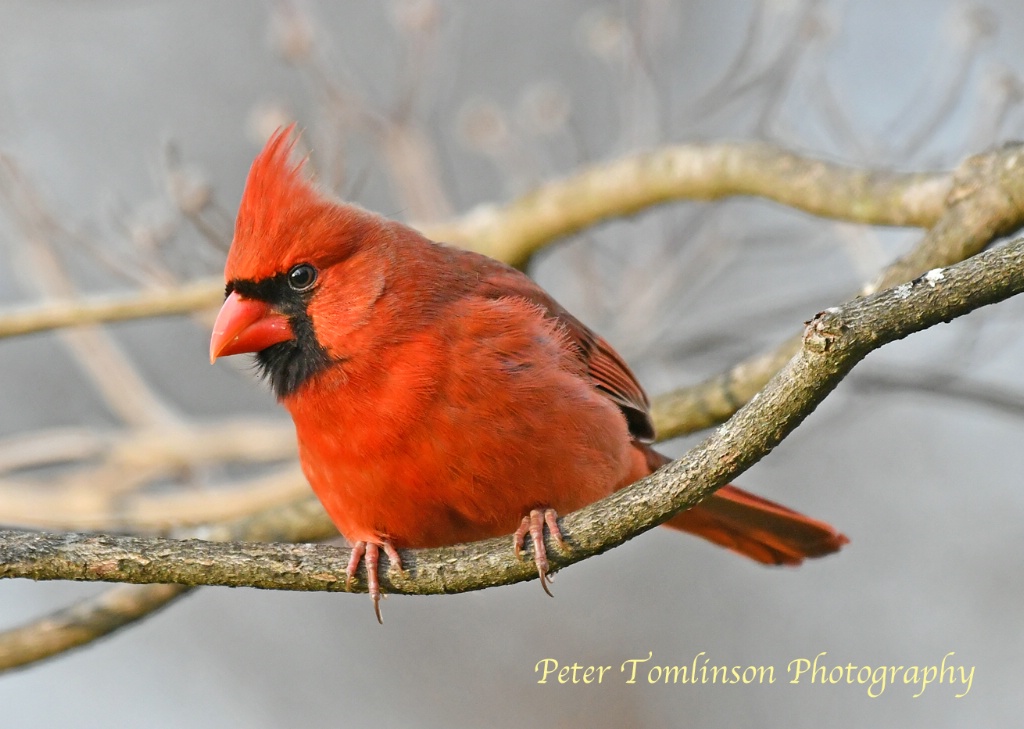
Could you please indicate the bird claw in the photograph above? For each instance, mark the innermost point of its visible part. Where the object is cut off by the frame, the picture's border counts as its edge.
(534, 526)
(369, 552)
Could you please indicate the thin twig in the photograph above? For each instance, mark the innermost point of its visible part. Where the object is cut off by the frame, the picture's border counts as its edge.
(195, 296)
(82, 506)
(949, 385)
(112, 373)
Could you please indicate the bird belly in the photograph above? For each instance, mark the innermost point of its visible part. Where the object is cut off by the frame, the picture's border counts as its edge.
(471, 459)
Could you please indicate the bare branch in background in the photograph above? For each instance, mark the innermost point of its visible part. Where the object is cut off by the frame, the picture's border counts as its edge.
(113, 374)
(86, 310)
(948, 385)
(192, 195)
(514, 232)
(695, 172)
(974, 25)
(986, 202)
(82, 623)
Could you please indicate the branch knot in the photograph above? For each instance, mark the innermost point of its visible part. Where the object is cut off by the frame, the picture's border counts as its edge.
(822, 331)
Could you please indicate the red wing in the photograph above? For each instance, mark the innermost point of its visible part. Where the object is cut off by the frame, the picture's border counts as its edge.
(611, 375)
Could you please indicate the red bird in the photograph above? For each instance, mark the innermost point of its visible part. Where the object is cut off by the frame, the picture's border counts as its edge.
(440, 396)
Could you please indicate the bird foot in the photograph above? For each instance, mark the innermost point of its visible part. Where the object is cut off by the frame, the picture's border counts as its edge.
(534, 526)
(369, 552)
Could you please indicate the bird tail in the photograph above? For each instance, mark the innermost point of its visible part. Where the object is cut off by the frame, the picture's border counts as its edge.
(754, 527)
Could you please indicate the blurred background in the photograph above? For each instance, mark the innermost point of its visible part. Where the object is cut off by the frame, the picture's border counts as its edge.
(126, 131)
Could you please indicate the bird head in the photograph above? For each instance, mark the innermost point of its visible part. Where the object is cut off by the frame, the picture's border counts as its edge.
(303, 272)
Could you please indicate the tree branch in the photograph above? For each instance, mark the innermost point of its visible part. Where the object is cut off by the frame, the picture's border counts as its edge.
(104, 614)
(697, 172)
(105, 491)
(833, 342)
(83, 623)
(202, 294)
(515, 231)
(986, 201)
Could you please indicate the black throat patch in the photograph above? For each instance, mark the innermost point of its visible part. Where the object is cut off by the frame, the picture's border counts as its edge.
(287, 365)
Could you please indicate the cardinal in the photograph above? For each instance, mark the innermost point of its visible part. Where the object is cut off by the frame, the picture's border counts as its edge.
(440, 396)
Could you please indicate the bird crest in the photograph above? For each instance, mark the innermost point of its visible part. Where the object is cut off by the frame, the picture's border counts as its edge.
(278, 205)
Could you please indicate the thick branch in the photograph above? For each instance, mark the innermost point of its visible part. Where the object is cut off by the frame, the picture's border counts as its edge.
(833, 342)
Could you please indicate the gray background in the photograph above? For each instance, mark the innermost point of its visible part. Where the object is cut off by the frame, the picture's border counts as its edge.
(925, 484)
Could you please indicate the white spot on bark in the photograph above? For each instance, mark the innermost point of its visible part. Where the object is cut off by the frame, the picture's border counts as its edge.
(903, 291)
(934, 276)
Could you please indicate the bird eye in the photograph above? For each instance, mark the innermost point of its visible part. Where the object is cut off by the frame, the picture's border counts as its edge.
(302, 277)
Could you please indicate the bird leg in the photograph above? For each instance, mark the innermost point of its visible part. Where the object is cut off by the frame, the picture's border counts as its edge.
(370, 553)
(534, 526)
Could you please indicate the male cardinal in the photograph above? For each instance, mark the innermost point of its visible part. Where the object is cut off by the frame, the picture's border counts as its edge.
(438, 395)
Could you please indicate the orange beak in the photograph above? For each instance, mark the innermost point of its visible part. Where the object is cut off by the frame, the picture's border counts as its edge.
(247, 325)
